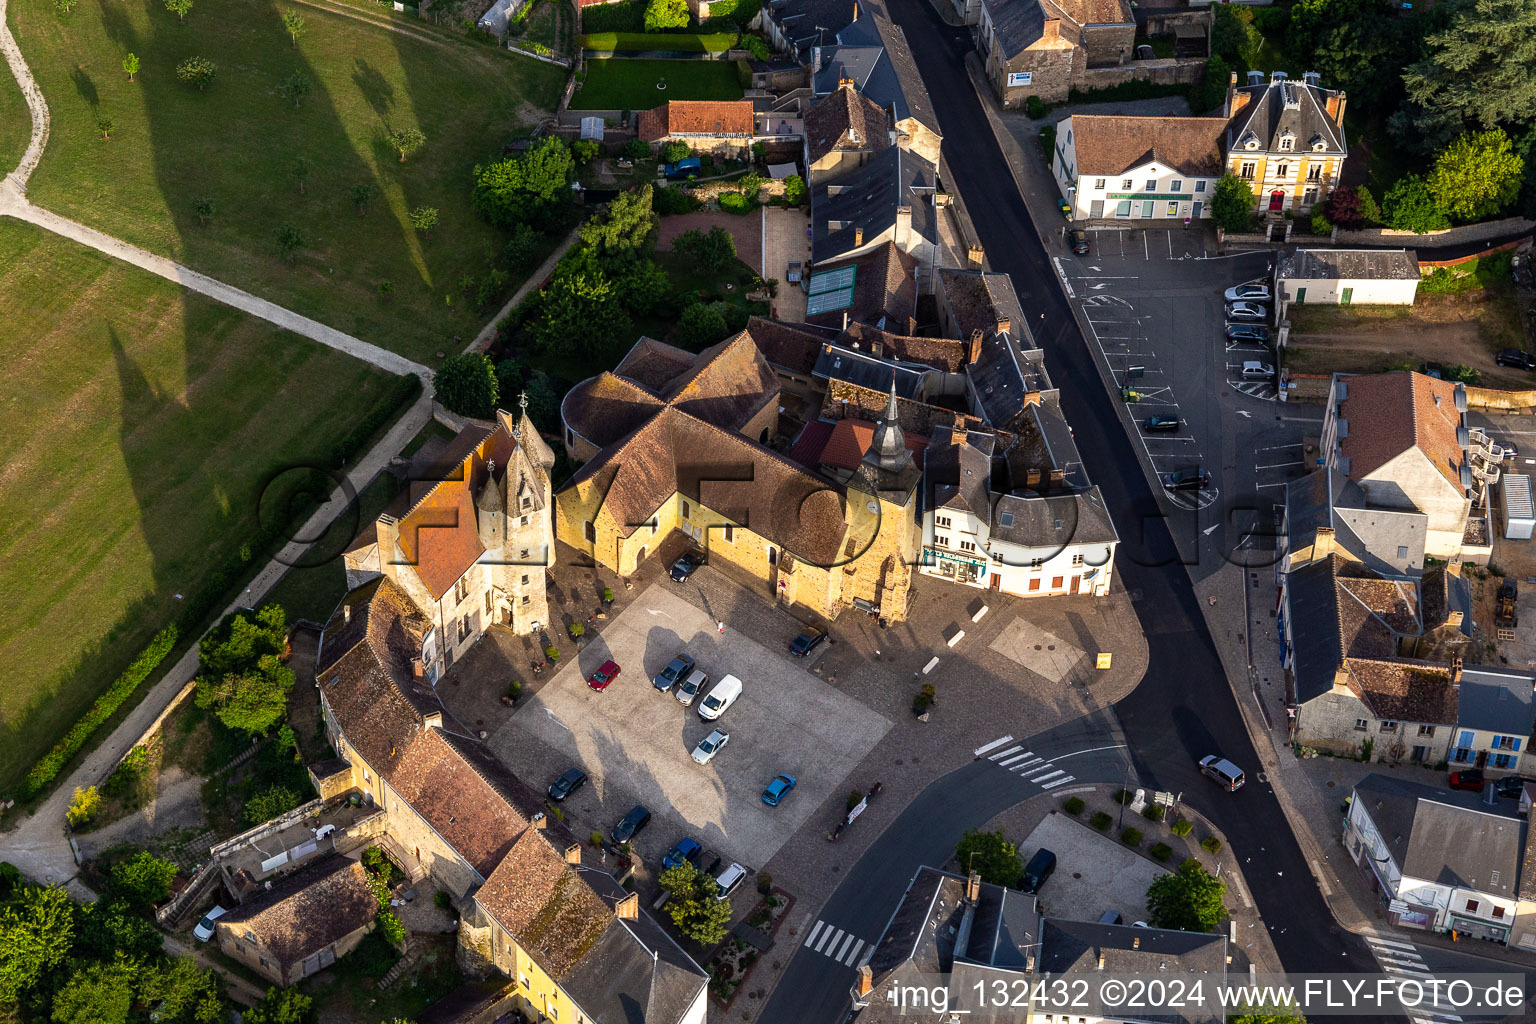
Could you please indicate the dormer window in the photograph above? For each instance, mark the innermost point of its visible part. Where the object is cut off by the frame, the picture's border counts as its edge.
(1250, 141)
(1318, 143)
(1287, 142)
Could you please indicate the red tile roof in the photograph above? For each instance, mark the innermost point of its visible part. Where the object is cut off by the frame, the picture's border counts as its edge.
(1391, 413)
(696, 117)
(1110, 144)
(850, 440)
(808, 446)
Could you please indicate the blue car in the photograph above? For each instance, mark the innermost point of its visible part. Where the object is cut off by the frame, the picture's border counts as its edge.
(676, 671)
(688, 167)
(778, 789)
(685, 852)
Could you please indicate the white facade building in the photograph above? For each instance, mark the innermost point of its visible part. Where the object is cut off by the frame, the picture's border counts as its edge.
(1345, 276)
(1138, 168)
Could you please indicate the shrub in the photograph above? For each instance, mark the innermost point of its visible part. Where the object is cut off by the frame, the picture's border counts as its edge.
(755, 46)
(586, 150)
(375, 860)
(577, 630)
(671, 200)
(84, 806)
(552, 653)
(442, 899)
(1152, 812)
(1183, 827)
(596, 839)
(1124, 797)
(736, 202)
(1034, 108)
(1211, 843)
(702, 324)
(1161, 851)
(794, 189)
(672, 152)
(391, 928)
(1131, 837)
(921, 703)
(1074, 805)
(1320, 225)
(1101, 821)
(637, 149)
(466, 384)
(515, 689)
(127, 771)
(144, 880)
(854, 797)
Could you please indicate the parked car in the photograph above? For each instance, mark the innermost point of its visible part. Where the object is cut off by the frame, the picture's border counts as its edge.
(685, 168)
(1520, 270)
(1040, 867)
(1256, 333)
(567, 784)
(1511, 785)
(604, 676)
(203, 930)
(686, 851)
(1253, 369)
(683, 567)
(631, 825)
(677, 669)
(1223, 771)
(1080, 242)
(1250, 291)
(807, 641)
(1470, 779)
(1191, 479)
(691, 686)
(1516, 358)
(778, 789)
(729, 880)
(709, 746)
(721, 697)
(1246, 311)
(1161, 424)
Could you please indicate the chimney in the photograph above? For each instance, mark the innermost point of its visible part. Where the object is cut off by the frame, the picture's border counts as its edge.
(1004, 325)
(844, 82)
(858, 235)
(1335, 107)
(346, 613)
(865, 981)
(957, 433)
(573, 853)
(855, 10)
(418, 670)
(1322, 545)
(975, 256)
(1226, 108)
(1101, 959)
(1456, 671)
(977, 337)
(903, 226)
(540, 821)
(876, 348)
(1051, 31)
(911, 326)
(973, 887)
(628, 908)
(1136, 942)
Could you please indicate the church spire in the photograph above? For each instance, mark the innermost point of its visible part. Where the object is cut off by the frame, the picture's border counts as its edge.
(889, 450)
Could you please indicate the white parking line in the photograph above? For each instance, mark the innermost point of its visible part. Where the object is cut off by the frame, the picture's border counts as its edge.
(1004, 753)
(993, 745)
(1283, 465)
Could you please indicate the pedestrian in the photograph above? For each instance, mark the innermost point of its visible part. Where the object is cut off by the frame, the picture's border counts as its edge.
(721, 625)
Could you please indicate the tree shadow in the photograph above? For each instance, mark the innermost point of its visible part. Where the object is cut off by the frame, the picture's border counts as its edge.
(85, 87)
(374, 87)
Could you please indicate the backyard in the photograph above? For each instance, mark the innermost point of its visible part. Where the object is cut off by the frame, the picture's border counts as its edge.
(620, 84)
(641, 42)
(144, 423)
(268, 154)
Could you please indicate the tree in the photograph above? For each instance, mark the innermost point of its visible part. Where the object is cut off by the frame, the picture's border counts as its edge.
(1370, 211)
(711, 251)
(522, 248)
(106, 126)
(405, 140)
(293, 22)
(290, 239)
(1343, 207)
(1267, 1015)
(252, 700)
(1211, 90)
(751, 185)
(300, 173)
(1232, 203)
(543, 401)
(1233, 37)
(992, 855)
(525, 189)
(702, 324)
(185, 991)
(282, 1006)
(37, 929)
(269, 803)
(131, 65)
(624, 227)
(1190, 899)
(180, 8)
(295, 87)
(579, 311)
(1475, 73)
(143, 880)
(241, 640)
(665, 14)
(198, 71)
(694, 905)
(1477, 175)
(64, 6)
(98, 994)
(111, 926)
(466, 384)
(203, 208)
(672, 152)
(86, 802)
(585, 150)
(424, 218)
(643, 287)
(1409, 206)
(756, 47)
(362, 194)
(794, 189)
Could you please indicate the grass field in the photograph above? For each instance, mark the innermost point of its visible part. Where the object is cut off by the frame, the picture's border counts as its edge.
(15, 122)
(141, 422)
(238, 144)
(618, 83)
(681, 42)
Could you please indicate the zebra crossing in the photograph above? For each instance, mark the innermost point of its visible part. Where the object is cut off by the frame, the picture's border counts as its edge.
(842, 946)
(1025, 763)
(1402, 958)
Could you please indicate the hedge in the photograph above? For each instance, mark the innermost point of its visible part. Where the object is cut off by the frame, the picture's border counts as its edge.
(623, 17)
(148, 660)
(641, 42)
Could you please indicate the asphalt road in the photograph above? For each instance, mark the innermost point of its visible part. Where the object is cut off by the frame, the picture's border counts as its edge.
(1183, 709)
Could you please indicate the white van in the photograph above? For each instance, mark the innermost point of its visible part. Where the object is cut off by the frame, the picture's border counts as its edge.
(729, 879)
(721, 697)
(1223, 771)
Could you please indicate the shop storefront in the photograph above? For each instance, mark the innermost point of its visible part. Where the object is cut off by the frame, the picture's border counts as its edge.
(957, 567)
(1472, 928)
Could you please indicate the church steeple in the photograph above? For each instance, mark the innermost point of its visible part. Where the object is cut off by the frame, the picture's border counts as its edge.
(889, 450)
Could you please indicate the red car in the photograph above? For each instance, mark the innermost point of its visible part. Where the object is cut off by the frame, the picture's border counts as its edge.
(1468, 778)
(603, 676)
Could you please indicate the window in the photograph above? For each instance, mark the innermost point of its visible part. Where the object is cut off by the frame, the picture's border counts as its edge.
(966, 545)
(524, 553)
(1463, 755)
(1503, 760)
(1199, 186)
(523, 980)
(1472, 906)
(525, 599)
(1498, 912)
(1151, 184)
(1402, 551)
(997, 556)
(1315, 172)
(1057, 581)
(527, 503)
(523, 521)
(1173, 210)
(487, 602)
(1360, 724)
(1426, 730)
(460, 590)
(1176, 185)
(1127, 184)
(1077, 560)
(685, 510)
(1283, 171)
(1246, 171)
(1287, 143)
(1506, 743)
(730, 533)
(525, 579)
(1035, 563)
(1034, 585)
(1098, 184)
(1389, 727)
(941, 520)
(1123, 208)
(940, 540)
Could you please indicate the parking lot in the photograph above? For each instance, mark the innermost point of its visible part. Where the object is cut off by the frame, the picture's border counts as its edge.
(635, 742)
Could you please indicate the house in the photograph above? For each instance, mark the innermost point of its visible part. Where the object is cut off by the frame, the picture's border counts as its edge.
(795, 26)
(574, 944)
(1343, 276)
(1438, 860)
(1286, 139)
(888, 199)
(878, 289)
(1494, 719)
(1043, 48)
(1083, 951)
(303, 923)
(721, 127)
(975, 300)
(468, 540)
(1138, 168)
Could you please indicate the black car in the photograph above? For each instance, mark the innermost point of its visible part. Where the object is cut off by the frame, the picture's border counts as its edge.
(807, 642)
(1511, 785)
(1257, 333)
(683, 567)
(631, 825)
(1160, 424)
(567, 784)
(1080, 242)
(1516, 358)
(1187, 480)
(1040, 867)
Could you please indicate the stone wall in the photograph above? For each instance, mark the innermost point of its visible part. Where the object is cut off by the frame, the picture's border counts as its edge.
(1109, 45)
(1328, 723)
(1450, 236)
(1508, 401)
(1162, 71)
(1055, 69)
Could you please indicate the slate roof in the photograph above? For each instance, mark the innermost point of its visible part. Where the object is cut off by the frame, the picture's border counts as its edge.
(846, 121)
(1496, 700)
(884, 290)
(1340, 610)
(1262, 109)
(1017, 24)
(1446, 836)
(1348, 265)
(808, 23)
(1076, 947)
(837, 62)
(959, 476)
(839, 362)
(979, 300)
(1053, 522)
(1391, 413)
(306, 911)
(1112, 144)
(720, 118)
(867, 198)
(635, 973)
(1306, 508)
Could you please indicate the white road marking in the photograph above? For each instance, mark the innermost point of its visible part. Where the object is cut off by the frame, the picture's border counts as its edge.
(812, 937)
(1026, 764)
(853, 953)
(1036, 771)
(1059, 782)
(1375, 941)
(993, 745)
(1049, 775)
(834, 939)
(843, 950)
(1283, 465)
(1018, 757)
(1005, 753)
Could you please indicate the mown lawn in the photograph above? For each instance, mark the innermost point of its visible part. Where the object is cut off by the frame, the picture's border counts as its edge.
(141, 422)
(618, 84)
(681, 42)
(15, 122)
(239, 142)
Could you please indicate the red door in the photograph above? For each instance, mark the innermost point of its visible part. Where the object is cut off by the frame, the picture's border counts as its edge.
(1276, 201)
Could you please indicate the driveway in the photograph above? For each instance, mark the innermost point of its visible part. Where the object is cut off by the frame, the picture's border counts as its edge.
(785, 239)
(635, 742)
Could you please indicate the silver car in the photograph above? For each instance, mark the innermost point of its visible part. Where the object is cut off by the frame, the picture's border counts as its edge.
(691, 686)
(710, 745)
(1249, 312)
(1252, 291)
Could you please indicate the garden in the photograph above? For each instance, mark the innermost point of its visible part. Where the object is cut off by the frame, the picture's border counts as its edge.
(622, 84)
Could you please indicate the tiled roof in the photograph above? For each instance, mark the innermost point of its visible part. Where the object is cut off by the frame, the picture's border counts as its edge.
(786, 345)
(1017, 24)
(806, 451)
(730, 383)
(604, 408)
(1391, 413)
(306, 911)
(846, 120)
(978, 300)
(884, 290)
(546, 904)
(1404, 691)
(850, 440)
(948, 354)
(654, 364)
(696, 117)
(1110, 144)
(1087, 948)
(1348, 265)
